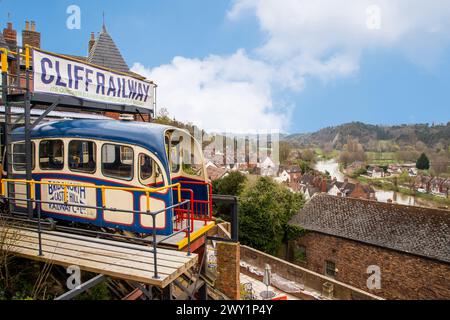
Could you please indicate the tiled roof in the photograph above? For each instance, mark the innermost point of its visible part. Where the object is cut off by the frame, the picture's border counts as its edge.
(346, 187)
(307, 179)
(105, 53)
(416, 230)
(215, 173)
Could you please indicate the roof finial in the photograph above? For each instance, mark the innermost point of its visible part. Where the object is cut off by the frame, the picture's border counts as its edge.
(104, 25)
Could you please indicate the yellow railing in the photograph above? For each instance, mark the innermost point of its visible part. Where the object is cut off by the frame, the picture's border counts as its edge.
(4, 59)
(65, 185)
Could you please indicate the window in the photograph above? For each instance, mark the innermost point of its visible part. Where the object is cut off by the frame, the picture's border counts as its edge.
(126, 155)
(146, 166)
(19, 158)
(330, 268)
(82, 156)
(299, 253)
(192, 164)
(175, 158)
(117, 161)
(51, 155)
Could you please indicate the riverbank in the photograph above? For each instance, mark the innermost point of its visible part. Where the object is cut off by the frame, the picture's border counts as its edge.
(385, 190)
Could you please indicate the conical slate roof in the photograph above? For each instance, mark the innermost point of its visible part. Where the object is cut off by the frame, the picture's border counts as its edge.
(106, 54)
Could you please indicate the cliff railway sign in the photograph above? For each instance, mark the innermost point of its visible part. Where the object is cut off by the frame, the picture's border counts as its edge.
(62, 76)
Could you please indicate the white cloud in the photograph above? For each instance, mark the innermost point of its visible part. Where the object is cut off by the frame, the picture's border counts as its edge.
(331, 35)
(226, 93)
(320, 38)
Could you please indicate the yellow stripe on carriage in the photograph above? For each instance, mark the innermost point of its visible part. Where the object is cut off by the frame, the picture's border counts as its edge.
(65, 185)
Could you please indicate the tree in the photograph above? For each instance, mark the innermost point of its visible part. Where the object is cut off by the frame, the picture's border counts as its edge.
(285, 151)
(232, 185)
(439, 163)
(304, 166)
(423, 163)
(265, 209)
(308, 155)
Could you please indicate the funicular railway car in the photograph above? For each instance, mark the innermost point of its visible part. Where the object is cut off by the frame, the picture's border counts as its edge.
(102, 164)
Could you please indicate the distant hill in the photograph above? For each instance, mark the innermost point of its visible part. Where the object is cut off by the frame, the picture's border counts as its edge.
(402, 135)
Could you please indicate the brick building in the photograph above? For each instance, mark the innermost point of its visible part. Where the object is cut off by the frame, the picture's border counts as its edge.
(410, 245)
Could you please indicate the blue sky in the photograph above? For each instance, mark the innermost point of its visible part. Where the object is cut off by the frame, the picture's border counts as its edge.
(287, 65)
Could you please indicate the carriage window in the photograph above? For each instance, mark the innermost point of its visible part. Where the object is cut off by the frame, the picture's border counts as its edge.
(19, 158)
(175, 158)
(117, 161)
(126, 155)
(192, 160)
(146, 166)
(51, 155)
(82, 156)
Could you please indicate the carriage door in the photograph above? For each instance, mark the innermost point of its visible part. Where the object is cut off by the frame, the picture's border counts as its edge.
(19, 190)
(152, 175)
(118, 163)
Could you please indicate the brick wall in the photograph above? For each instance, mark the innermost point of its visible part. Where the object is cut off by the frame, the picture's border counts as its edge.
(113, 115)
(403, 276)
(31, 36)
(228, 270)
(10, 36)
(301, 275)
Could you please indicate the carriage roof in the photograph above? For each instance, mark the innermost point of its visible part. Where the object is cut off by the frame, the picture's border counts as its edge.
(147, 135)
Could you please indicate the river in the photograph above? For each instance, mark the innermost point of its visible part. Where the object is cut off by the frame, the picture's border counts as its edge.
(332, 167)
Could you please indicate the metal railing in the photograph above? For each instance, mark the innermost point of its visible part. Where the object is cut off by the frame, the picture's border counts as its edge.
(147, 191)
(66, 186)
(201, 209)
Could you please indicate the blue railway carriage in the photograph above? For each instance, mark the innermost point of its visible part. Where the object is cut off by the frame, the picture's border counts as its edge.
(123, 157)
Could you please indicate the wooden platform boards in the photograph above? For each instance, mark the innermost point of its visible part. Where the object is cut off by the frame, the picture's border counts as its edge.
(102, 256)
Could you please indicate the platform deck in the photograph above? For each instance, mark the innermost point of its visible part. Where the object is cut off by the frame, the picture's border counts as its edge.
(103, 256)
(180, 240)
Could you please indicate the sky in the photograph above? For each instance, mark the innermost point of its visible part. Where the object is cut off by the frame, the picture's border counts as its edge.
(281, 65)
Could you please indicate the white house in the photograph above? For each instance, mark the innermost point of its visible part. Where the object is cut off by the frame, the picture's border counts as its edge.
(268, 168)
(375, 172)
(283, 177)
(334, 190)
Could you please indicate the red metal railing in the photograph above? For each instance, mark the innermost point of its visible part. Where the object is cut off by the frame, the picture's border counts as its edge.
(181, 212)
(201, 210)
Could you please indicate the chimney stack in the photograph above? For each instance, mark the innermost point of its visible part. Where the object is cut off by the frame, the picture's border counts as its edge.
(91, 42)
(30, 36)
(324, 186)
(10, 36)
